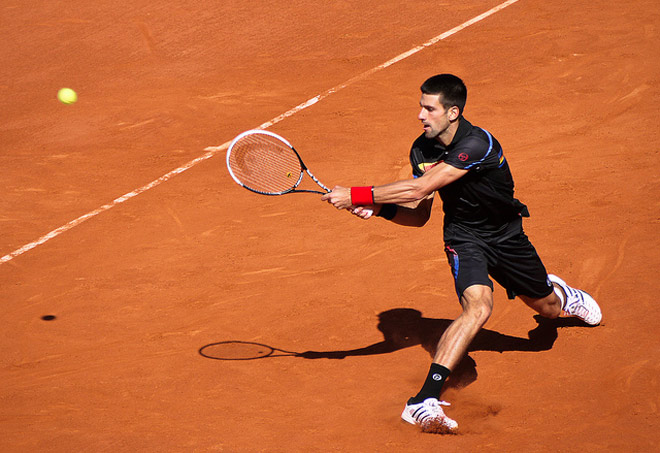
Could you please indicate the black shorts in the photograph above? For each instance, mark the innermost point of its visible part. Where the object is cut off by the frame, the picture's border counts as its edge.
(508, 257)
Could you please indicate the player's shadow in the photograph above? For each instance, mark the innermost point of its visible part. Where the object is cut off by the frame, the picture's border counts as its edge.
(406, 327)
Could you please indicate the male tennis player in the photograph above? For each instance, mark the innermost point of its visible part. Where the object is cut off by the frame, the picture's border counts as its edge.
(483, 233)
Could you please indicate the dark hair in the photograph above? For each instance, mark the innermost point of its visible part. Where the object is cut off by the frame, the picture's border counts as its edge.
(451, 89)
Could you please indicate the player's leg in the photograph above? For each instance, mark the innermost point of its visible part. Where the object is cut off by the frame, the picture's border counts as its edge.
(566, 301)
(470, 270)
(425, 409)
(520, 270)
(477, 303)
(548, 307)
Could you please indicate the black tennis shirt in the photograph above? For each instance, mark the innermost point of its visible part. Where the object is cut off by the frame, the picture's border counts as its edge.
(482, 200)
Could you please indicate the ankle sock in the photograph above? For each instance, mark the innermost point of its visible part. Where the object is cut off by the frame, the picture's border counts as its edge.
(562, 296)
(432, 387)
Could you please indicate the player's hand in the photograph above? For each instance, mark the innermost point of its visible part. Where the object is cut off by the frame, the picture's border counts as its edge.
(363, 212)
(340, 197)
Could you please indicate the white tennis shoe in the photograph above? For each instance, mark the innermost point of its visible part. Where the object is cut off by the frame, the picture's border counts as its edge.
(430, 417)
(578, 303)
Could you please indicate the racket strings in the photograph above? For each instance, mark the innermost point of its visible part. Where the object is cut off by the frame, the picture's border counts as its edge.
(265, 164)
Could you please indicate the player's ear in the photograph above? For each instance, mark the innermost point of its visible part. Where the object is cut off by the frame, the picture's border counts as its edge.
(453, 113)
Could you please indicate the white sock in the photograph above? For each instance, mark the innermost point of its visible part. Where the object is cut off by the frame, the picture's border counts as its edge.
(560, 293)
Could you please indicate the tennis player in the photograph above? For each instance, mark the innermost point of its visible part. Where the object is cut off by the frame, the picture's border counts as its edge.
(483, 233)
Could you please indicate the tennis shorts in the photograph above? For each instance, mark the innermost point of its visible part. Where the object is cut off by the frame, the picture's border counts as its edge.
(508, 257)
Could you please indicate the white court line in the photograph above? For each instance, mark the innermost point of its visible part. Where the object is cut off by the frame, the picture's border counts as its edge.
(213, 150)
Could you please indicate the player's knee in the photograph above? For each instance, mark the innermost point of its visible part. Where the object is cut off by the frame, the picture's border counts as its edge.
(482, 312)
(478, 304)
(550, 311)
(549, 307)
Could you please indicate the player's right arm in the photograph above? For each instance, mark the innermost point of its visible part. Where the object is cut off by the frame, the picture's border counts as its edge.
(412, 190)
(400, 192)
(413, 198)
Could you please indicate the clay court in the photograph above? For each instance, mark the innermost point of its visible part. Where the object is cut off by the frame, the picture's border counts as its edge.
(120, 222)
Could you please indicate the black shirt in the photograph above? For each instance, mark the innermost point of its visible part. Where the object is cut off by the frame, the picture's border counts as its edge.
(481, 200)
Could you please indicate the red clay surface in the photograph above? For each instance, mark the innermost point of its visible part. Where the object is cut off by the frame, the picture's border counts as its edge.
(571, 89)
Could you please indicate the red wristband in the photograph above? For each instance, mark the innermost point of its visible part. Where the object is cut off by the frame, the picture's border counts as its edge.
(361, 196)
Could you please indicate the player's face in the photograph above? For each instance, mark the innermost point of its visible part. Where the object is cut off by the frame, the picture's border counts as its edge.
(434, 117)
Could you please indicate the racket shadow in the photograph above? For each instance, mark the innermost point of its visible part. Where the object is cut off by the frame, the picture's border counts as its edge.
(241, 350)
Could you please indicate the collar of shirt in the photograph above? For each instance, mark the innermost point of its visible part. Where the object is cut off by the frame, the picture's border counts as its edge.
(464, 128)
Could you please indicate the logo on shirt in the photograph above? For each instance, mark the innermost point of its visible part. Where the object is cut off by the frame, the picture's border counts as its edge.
(425, 166)
(463, 157)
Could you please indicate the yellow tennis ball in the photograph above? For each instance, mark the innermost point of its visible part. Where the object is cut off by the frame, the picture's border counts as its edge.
(67, 96)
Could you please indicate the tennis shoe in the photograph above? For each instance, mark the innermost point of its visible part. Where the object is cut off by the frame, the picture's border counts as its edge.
(430, 417)
(578, 303)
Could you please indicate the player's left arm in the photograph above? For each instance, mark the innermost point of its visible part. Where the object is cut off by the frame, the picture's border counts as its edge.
(414, 214)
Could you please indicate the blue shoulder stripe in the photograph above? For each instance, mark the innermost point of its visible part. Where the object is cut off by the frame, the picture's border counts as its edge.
(490, 148)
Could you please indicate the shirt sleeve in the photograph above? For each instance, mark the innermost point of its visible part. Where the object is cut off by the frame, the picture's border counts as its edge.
(469, 153)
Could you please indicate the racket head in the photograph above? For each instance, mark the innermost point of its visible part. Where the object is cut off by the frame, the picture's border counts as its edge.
(264, 162)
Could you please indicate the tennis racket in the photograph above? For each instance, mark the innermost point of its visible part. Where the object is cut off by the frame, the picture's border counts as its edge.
(265, 163)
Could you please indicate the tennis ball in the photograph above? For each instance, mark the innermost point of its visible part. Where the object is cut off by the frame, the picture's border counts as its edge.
(67, 96)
